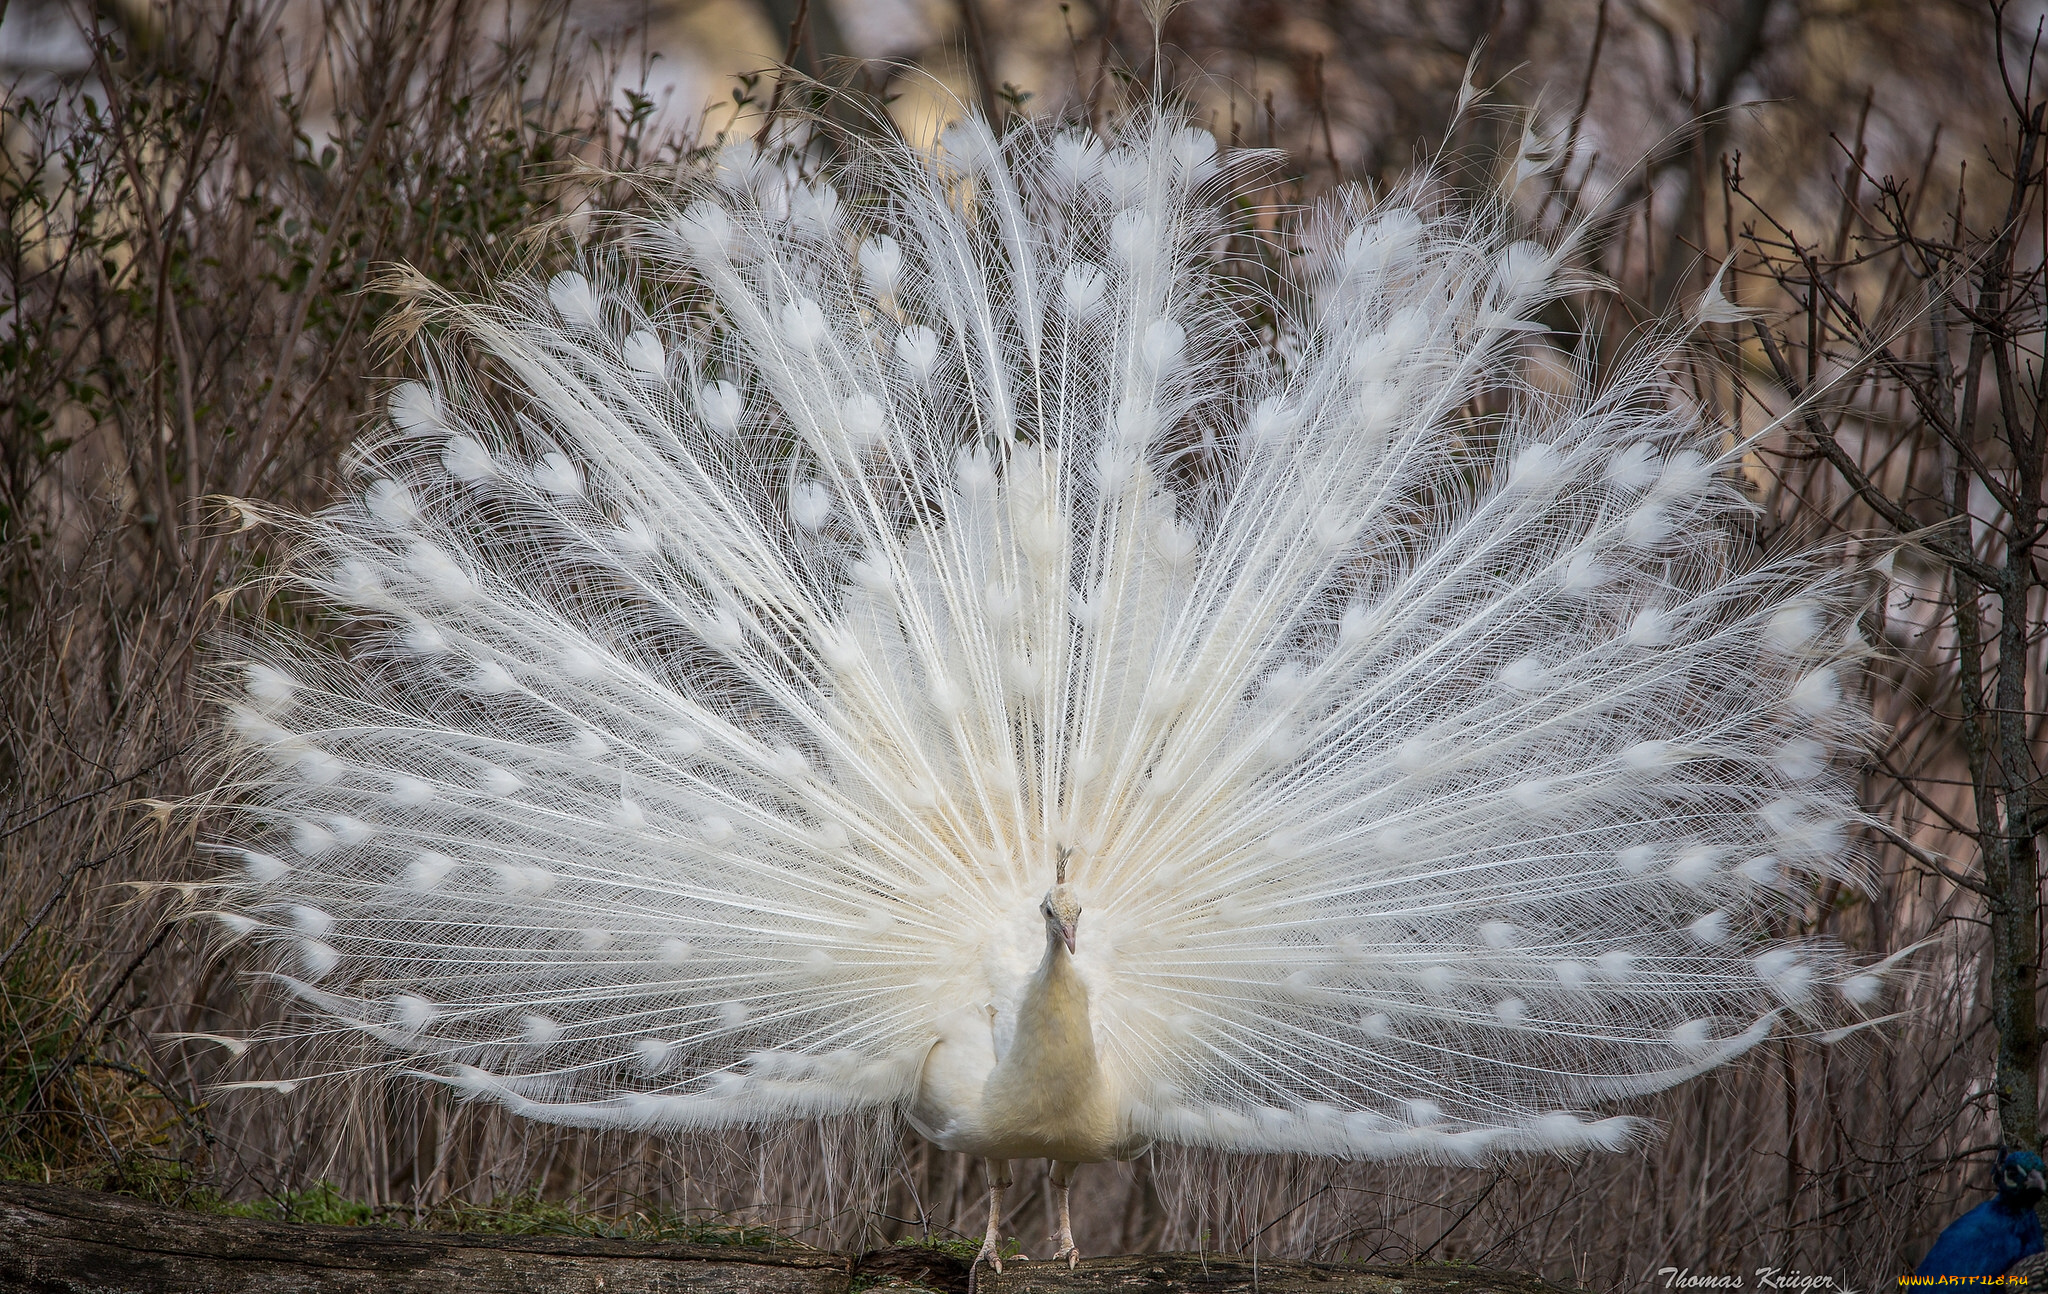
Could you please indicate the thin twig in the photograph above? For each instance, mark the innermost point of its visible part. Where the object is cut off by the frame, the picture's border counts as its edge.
(1880, 502)
(56, 896)
(789, 49)
(978, 56)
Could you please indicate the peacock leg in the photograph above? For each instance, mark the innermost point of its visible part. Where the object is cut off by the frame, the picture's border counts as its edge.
(992, 1246)
(1063, 1182)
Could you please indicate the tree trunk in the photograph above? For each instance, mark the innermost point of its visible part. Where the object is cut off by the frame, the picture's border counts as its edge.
(54, 1240)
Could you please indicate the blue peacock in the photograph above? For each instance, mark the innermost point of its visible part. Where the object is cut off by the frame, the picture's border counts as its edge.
(1991, 1238)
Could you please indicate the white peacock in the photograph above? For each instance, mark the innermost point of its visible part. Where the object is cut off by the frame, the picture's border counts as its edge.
(933, 637)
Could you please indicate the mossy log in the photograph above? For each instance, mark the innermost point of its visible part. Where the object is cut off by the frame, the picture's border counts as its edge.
(55, 1240)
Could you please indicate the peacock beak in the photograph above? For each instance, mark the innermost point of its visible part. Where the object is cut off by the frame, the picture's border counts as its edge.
(1068, 931)
(2034, 1180)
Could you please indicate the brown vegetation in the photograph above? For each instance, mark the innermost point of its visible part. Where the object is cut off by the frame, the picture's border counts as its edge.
(56, 1240)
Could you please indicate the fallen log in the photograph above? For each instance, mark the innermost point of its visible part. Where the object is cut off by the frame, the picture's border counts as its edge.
(56, 1240)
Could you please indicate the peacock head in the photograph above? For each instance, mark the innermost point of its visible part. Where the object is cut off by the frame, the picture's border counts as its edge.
(1062, 909)
(2020, 1177)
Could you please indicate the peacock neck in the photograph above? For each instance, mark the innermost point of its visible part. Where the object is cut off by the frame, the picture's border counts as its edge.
(1054, 1033)
(1047, 1097)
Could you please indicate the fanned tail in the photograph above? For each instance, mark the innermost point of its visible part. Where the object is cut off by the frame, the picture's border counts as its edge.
(747, 622)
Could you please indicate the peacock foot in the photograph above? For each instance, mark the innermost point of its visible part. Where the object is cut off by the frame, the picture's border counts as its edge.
(993, 1256)
(990, 1254)
(1068, 1249)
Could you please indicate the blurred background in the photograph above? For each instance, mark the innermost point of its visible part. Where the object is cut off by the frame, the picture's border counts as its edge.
(198, 195)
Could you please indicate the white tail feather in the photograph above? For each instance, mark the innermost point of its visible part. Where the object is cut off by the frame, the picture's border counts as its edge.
(724, 698)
